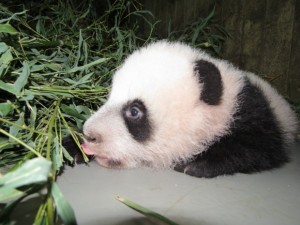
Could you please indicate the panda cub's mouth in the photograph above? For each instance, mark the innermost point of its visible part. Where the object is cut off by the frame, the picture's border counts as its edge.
(103, 160)
(86, 149)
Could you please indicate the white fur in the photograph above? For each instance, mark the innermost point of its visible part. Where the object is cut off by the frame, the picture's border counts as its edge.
(162, 75)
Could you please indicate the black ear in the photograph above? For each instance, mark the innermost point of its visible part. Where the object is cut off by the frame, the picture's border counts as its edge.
(209, 76)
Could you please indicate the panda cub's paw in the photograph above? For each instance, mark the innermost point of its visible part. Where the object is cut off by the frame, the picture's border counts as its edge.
(201, 168)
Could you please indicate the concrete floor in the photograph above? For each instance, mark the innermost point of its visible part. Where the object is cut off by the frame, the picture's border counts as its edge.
(267, 198)
(271, 197)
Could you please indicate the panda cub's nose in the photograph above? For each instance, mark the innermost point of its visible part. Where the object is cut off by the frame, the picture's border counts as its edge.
(93, 138)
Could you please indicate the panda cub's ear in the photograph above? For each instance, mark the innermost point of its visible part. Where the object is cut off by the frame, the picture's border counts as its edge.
(210, 78)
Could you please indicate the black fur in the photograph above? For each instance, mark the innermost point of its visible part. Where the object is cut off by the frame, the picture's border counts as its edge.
(140, 128)
(209, 75)
(254, 143)
(70, 145)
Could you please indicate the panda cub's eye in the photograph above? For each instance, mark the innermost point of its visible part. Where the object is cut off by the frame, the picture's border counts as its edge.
(134, 113)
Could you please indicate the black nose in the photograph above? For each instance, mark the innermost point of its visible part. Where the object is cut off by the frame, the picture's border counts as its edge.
(94, 138)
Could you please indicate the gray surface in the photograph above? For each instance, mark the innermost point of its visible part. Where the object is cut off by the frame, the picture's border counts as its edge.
(271, 197)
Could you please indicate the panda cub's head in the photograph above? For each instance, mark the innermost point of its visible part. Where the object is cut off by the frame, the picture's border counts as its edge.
(168, 102)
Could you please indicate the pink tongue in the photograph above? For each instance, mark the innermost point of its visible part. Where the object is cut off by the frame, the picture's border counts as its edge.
(86, 150)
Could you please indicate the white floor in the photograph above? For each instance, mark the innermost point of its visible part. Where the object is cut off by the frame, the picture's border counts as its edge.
(271, 197)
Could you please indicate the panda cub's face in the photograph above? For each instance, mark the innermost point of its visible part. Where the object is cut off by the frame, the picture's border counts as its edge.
(147, 118)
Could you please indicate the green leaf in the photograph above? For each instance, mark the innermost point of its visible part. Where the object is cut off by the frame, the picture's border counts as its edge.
(202, 25)
(64, 209)
(3, 47)
(7, 28)
(153, 216)
(8, 87)
(13, 15)
(27, 96)
(37, 68)
(57, 157)
(84, 109)
(33, 115)
(71, 111)
(14, 130)
(6, 57)
(84, 79)
(22, 79)
(31, 172)
(9, 193)
(41, 216)
(4, 144)
(53, 66)
(19, 83)
(5, 109)
(67, 155)
(80, 68)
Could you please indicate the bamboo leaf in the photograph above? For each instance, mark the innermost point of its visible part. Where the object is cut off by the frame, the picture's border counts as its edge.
(67, 155)
(7, 28)
(64, 209)
(27, 95)
(71, 112)
(9, 193)
(41, 215)
(22, 79)
(57, 157)
(14, 130)
(31, 172)
(6, 57)
(20, 142)
(84, 79)
(14, 15)
(5, 109)
(80, 68)
(153, 216)
(8, 87)
(3, 47)
(19, 83)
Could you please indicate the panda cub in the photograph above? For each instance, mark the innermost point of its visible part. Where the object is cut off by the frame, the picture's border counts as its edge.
(173, 106)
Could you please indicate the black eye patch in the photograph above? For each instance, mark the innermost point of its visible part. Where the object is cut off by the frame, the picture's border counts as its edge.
(136, 118)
